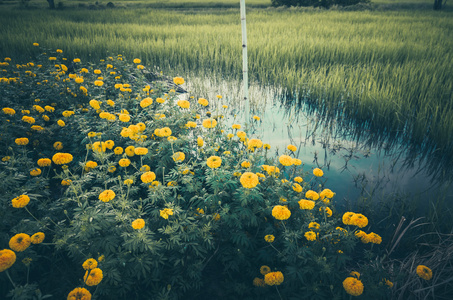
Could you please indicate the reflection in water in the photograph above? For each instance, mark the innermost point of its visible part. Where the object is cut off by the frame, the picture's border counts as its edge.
(359, 160)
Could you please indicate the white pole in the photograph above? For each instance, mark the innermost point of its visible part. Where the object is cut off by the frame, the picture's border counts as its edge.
(245, 77)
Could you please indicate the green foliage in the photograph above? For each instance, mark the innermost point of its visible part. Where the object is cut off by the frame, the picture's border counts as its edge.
(317, 3)
(204, 225)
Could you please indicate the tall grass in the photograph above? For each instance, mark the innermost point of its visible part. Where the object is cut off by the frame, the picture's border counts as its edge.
(391, 67)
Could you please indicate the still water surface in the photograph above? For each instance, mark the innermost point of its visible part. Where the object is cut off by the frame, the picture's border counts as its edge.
(357, 163)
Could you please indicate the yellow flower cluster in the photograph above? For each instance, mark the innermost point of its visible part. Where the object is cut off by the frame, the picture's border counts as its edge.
(350, 218)
(162, 132)
(107, 195)
(21, 141)
(20, 242)
(254, 143)
(424, 272)
(306, 204)
(7, 259)
(93, 277)
(9, 111)
(79, 294)
(90, 264)
(203, 102)
(37, 238)
(214, 162)
(269, 238)
(183, 104)
(148, 177)
(318, 172)
(191, 124)
(141, 151)
(209, 123)
(353, 286)
(138, 224)
(270, 169)
(281, 212)
(62, 158)
(249, 180)
(179, 156)
(285, 160)
(274, 278)
(166, 212)
(20, 201)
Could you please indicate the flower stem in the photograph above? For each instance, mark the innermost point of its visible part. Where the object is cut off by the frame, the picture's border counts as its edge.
(9, 277)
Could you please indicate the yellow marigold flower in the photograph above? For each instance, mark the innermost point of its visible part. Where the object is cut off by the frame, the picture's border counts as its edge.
(281, 212)
(292, 148)
(160, 100)
(375, 238)
(353, 286)
(37, 128)
(297, 162)
(124, 118)
(312, 195)
(145, 168)
(67, 113)
(256, 118)
(327, 210)
(242, 135)
(347, 218)
(191, 124)
(298, 179)
(7, 259)
(109, 144)
(314, 225)
(178, 80)
(245, 164)
(200, 142)
(285, 160)
(310, 235)
(137, 61)
(130, 151)
(97, 71)
(138, 224)
(36, 44)
(141, 151)
(209, 123)
(35, 172)
(62, 158)
(6, 158)
(424, 272)
(21, 141)
(214, 162)
(146, 102)
(148, 177)
(99, 146)
(66, 182)
(359, 220)
(93, 277)
(124, 162)
(388, 283)
(318, 172)
(20, 242)
(254, 143)
(52, 58)
(166, 212)
(58, 145)
(203, 102)
(236, 126)
(249, 180)
(164, 132)
(297, 188)
(326, 193)
(172, 183)
(118, 150)
(44, 162)
(90, 264)
(274, 278)
(20, 201)
(259, 282)
(9, 111)
(179, 156)
(110, 102)
(90, 165)
(128, 182)
(37, 238)
(107, 195)
(46, 118)
(269, 238)
(265, 270)
(183, 103)
(61, 123)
